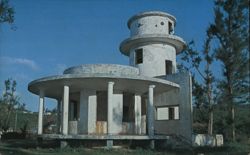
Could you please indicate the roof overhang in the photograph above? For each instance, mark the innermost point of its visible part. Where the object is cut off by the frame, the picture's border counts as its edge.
(53, 86)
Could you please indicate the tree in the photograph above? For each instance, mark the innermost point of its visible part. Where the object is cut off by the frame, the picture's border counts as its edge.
(6, 12)
(231, 30)
(202, 91)
(7, 103)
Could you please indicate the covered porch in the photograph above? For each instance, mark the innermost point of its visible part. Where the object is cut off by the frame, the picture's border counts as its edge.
(105, 108)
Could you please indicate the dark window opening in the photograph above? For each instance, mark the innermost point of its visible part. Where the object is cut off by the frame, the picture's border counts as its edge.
(168, 67)
(139, 56)
(102, 105)
(170, 28)
(128, 107)
(162, 23)
(171, 113)
(125, 114)
(75, 110)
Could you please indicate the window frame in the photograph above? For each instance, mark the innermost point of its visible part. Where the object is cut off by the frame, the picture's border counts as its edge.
(168, 68)
(170, 28)
(138, 53)
(168, 106)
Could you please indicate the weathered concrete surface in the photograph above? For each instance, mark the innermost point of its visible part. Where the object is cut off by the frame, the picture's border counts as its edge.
(137, 108)
(73, 127)
(104, 137)
(153, 24)
(207, 140)
(146, 14)
(150, 111)
(105, 92)
(150, 31)
(88, 106)
(65, 110)
(148, 39)
(113, 69)
(117, 113)
(181, 97)
(154, 59)
(40, 113)
(134, 84)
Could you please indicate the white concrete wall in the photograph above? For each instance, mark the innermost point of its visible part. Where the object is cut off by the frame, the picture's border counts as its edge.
(183, 98)
(138, 118)
(150, 25)
(154, 57)
(88, 103)
(207, 140)
(117, 113)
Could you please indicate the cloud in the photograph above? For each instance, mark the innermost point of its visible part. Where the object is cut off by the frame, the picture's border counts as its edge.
(18, 61)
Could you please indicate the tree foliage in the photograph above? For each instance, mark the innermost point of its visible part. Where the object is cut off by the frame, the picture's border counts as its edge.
(231, 30)
(201, 61)
(6, 12)
(228, 37)
(8, 101)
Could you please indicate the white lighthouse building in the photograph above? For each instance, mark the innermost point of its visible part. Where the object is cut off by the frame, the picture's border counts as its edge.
(147, 100)
(152, 46)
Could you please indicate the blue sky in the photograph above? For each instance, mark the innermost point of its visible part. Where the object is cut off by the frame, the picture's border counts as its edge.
(52, 35)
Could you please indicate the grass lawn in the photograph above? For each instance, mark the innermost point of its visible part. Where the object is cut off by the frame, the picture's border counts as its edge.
(29, 147)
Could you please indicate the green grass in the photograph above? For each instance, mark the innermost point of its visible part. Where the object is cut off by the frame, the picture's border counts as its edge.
(29, 147)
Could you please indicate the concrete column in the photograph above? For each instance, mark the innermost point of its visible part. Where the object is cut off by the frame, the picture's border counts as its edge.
(137, 114)
(110, 107)
(150, 110)
(59, 116)
(40, 113)
(110, 113)
(65, 110)
(83, 125)
(92, 110)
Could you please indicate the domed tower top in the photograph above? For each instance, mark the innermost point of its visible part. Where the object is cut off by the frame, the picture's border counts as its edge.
(152, 46)
(152, 22)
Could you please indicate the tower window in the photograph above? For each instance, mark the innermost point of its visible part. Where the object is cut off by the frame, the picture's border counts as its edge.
(167, 113)
(170, 28)
(138, 56)
(168, 67)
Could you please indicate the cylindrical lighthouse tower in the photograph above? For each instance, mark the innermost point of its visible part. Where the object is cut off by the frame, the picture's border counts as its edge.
(152, 46)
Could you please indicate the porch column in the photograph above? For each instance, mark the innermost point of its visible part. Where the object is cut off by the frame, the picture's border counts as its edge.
(40, 113)
(65, 110)
(110, 107)
(92, 113)
(59, 115)
(150, 110)
(137, 109)
(110, 113)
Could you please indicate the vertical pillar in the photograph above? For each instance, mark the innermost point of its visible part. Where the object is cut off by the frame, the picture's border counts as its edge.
(65, 110)
(110, 107)
(92, 109)
(137, 114)
(110, 113)
(58, 115)
(40, 113)
(150, 115)
(83, 126)
(150, 110)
